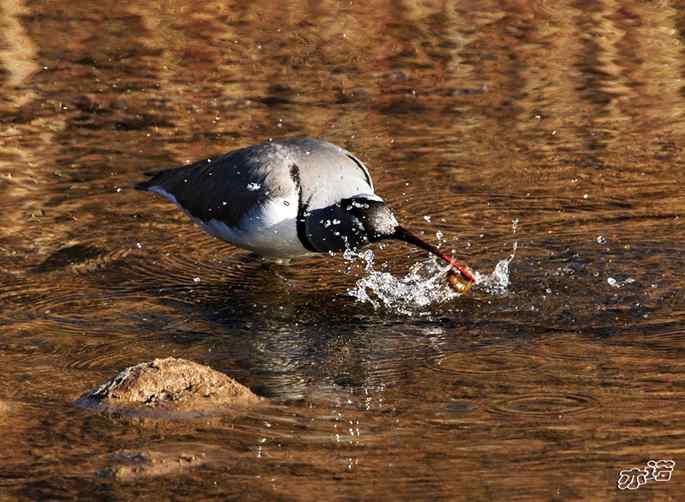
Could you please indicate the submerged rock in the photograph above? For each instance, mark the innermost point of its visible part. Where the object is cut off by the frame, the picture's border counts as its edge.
(170, 384)
(132, 465)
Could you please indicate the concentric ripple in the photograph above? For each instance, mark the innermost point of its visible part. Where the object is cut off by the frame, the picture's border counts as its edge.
(543, 405)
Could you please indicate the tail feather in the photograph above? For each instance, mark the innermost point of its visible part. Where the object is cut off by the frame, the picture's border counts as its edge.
(143, 186)
(150, 174)
(157, 178)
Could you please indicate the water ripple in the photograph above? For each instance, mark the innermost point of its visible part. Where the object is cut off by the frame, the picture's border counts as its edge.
(548, 405)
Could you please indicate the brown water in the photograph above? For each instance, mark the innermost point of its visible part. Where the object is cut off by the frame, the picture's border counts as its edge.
(567, 117)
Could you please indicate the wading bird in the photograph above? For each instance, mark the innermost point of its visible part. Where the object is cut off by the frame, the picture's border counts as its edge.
(287, 198)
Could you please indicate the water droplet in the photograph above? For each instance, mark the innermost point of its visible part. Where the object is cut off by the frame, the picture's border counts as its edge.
(498, 281)
(615, 283)
(252, 187)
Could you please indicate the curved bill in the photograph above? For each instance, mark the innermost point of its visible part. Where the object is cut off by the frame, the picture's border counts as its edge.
(405, 235)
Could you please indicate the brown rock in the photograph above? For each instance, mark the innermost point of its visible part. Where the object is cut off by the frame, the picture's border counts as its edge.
(132, 465)
(170, 384)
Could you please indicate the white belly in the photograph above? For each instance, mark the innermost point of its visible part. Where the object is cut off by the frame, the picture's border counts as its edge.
(268, 230)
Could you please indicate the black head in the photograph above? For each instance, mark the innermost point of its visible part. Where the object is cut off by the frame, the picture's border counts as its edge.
(376, 220)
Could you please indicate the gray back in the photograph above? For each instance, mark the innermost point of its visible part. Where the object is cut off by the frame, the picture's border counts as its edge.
(230, 186)
(328, 173)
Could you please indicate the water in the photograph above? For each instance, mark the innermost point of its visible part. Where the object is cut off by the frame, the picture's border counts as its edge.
(423, 287)
(558, 126)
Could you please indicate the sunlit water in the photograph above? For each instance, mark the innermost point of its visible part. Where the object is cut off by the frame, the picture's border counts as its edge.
(543, 140)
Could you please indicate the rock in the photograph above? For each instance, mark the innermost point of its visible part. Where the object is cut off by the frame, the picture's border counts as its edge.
(132, 465)
(170, 385)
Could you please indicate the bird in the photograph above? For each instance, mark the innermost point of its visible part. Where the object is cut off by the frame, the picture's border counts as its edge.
(287, 198)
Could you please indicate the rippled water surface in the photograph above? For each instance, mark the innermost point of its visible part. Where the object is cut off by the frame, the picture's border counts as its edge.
(558, 126)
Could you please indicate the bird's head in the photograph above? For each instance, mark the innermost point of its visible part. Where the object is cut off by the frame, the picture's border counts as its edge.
(377, 222)
(371, 216)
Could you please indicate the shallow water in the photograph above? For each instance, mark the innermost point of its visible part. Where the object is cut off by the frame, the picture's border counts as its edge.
(564, 117)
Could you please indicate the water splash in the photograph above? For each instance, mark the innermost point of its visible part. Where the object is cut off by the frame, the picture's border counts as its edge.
(616, 283)
(497, 282)
(423, 286)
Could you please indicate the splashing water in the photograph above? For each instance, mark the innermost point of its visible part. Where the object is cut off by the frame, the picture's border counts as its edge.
(497, 281)
(424, 285)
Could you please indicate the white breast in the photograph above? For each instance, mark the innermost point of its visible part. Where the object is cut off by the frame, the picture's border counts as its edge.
(268, 230)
